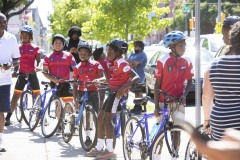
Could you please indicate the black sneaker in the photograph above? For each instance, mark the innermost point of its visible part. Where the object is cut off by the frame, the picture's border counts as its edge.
(8, 122)
(88, 141)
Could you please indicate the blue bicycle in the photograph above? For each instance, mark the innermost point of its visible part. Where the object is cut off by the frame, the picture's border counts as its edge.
(49, 112)
(138, 144)
(85, 118)
(123, 114)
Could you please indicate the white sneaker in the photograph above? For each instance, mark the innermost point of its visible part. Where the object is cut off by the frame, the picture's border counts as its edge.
(2, 149)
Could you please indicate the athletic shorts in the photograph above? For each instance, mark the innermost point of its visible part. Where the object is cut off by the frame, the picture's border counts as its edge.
(111, 103)
(93, 99)
(21, 82)
(62, 89)
(5, 98)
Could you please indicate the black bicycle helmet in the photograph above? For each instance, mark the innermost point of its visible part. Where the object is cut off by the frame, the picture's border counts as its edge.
(58, 36)
(230, 21)
(120, 44)
(140, 44)
(85, 45)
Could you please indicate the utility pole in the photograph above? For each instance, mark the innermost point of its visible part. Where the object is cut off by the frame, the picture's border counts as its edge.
(219, 10)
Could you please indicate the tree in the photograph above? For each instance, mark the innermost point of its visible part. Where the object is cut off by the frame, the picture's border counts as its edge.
(208, 13)
(7, 7)
(106, 19)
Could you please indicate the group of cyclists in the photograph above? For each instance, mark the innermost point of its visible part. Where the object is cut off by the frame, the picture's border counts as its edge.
(61, 65)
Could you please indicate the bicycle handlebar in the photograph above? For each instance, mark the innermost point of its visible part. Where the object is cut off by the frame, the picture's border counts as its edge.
(168, 97)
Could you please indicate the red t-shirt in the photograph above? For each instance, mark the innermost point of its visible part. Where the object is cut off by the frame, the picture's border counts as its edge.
(87, 72)
(104, 63)
(120, 73)
(59, 63)
(28, 54)
(173, 72)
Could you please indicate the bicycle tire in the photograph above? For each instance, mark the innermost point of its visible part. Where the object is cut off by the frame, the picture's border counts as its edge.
(191, 150)
(82, 128)
(124, 115)
(138, 140)
(34, 117)
(157, 153)
(26, 103)
(18, 113)
(68, 123)
(52, 117)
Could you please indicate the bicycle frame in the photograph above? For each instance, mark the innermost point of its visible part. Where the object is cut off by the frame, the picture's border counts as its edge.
(81, 106)
(144, 121)
(118, 121)
(43, 98)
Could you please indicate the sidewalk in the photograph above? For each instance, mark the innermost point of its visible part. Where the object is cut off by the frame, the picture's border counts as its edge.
(22, 144)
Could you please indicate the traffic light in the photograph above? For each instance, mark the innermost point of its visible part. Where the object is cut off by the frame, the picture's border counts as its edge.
(223, 16)
(191, 24)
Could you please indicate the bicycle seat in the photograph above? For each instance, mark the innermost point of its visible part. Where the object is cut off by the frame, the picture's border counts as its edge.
(141, 100)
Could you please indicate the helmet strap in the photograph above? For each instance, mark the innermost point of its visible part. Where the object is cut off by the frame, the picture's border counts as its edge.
(175, 54)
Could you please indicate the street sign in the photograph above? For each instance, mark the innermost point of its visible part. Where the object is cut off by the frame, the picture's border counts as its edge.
(186, 9)
(218, 28)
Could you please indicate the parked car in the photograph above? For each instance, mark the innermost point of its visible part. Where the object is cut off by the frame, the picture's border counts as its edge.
(211, 42)
(151, 68)
(206, 58)
(151, 50)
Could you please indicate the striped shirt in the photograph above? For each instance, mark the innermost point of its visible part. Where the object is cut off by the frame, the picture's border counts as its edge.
(225, 79)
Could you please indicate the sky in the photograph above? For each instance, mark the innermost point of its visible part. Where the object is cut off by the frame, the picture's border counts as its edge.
(44, 8)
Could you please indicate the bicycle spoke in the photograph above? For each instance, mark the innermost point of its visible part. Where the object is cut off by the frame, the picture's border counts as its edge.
(52, 118)
(177, 146)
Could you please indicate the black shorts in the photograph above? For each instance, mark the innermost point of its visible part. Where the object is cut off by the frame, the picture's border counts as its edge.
(21, 82)
(5, 98)
(62, 89)
(93, 99)
(111, 103)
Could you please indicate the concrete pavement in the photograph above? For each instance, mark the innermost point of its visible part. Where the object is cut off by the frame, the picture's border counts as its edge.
(22, 144)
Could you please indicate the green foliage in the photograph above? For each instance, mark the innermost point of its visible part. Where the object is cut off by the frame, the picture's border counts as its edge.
(208, 15)
(107, 19)
(7, 7)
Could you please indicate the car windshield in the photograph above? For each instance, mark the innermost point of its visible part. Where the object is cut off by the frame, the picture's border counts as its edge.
(206, 57)
(216, 44)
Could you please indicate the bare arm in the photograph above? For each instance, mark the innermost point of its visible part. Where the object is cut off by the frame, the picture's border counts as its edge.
(207, 98)
(226, 149)
(51, 78)
(157, 86)
(134, 78)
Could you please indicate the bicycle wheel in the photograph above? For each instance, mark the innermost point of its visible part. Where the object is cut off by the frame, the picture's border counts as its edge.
(52, 117)
(18, 113)
(68, 122)
(34, 117)
(159, 148)
(191, 150)
(88, 136)
(124, 115)
(26, 103)
(134, 146)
